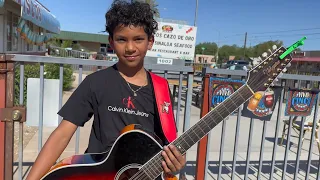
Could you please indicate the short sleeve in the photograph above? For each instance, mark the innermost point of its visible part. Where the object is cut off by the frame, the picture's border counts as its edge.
(79, 107)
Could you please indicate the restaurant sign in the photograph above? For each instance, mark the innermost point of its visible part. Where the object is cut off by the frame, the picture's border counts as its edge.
(33, 11)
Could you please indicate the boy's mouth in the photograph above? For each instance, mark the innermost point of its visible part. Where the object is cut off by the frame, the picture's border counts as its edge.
(131, 58)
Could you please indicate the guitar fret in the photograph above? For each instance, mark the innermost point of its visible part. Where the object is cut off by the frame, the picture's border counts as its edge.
(147, 170)
(231, 104)
(180, 147)
(199, 131)
(222, 111)
(153, 173)
(183, 144)
(205, 128)
(189, 138)
(219, 115)
(234, 103)
(240, 94)
(186, 142)
(225, 108)
(146, 173)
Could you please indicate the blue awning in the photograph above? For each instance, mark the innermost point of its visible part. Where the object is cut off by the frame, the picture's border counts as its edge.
(1, 3)
(35, 12)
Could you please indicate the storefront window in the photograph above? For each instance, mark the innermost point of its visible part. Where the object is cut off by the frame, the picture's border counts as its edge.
(30, 46)
(40, 48)
(12, 33)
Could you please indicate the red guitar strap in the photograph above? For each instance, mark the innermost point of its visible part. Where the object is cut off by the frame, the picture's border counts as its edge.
(164, 106)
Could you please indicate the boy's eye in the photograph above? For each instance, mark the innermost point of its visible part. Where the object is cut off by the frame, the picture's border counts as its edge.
(139, 40)
(120, 40)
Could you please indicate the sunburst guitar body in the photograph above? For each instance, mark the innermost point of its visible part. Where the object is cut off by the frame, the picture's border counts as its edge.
(133, 148)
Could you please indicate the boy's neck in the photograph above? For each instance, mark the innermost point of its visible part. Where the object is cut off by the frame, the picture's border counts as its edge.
(132, 74)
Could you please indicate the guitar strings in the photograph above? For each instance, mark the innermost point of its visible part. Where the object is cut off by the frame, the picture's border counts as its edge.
(158, 158)
(142, 174)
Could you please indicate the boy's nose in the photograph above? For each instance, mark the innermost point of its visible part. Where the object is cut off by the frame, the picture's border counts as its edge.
(130, 47)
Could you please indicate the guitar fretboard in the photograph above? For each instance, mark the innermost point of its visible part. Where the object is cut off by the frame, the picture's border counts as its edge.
(153, 168)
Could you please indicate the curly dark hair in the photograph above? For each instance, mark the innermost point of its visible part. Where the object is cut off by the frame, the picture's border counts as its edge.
(135, 13)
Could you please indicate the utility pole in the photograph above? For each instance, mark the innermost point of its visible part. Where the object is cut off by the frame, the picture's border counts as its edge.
(244, 47)
(217, 55)
(196, 13)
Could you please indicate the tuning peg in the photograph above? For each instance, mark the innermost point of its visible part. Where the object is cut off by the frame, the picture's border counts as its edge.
(265, 54)
(274, 47)
(255, 62)
(284, 70)
(270, 51)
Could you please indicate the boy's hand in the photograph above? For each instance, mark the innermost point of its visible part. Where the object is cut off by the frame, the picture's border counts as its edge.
(174, 161)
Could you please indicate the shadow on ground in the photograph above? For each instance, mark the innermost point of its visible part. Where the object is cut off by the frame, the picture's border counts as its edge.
(226, 168)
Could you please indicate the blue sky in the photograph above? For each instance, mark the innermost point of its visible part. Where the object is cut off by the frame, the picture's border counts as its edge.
(263, 20)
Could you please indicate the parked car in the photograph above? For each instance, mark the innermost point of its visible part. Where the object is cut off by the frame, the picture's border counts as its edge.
(237, 65)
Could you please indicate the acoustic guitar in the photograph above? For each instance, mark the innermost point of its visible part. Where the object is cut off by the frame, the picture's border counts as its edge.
(136, 154)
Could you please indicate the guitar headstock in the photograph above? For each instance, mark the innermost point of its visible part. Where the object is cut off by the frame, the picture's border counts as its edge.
(263, 74)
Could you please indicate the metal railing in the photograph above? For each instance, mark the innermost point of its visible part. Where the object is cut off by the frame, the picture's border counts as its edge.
(68, 53)
(268, 164)
(183, 74)
(254, 160)
(198, 66)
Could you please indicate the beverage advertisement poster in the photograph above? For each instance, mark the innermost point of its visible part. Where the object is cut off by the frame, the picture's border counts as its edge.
(300, 102)
(261, 105)
(220, 89)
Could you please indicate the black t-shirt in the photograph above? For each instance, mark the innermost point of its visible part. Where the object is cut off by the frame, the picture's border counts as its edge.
(107, 96)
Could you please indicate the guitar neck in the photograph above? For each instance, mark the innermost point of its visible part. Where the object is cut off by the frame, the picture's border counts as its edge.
(213, 118)
(153, 167)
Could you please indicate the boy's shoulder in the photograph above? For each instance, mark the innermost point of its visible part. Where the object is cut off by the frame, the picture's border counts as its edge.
(109, 71)
(103, 75)
(158, 78)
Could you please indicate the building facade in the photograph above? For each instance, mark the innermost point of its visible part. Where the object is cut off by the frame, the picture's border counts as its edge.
(305, 62)
(207, 59)
(26, 26)
(90, 42)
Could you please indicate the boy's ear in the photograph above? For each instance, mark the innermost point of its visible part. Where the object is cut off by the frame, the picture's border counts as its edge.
(150, 42)
(111, 42)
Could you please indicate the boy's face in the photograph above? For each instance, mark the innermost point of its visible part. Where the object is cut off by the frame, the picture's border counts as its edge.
(131, 44)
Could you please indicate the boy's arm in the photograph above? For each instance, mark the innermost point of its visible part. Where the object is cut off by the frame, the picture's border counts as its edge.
(52, 149)
(75, 112)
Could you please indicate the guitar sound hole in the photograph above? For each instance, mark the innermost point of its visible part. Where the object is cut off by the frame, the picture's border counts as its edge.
(127, 174)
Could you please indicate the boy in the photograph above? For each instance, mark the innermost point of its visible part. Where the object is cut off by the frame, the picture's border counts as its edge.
(126, 84)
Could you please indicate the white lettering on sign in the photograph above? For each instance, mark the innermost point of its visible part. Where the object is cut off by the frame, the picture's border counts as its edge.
(31, 8)
(164, 61)
(174, 41)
